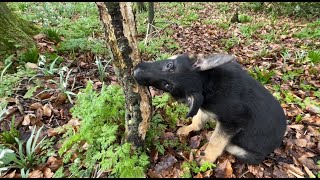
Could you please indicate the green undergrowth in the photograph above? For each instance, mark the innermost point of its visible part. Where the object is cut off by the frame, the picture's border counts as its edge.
(102, 127)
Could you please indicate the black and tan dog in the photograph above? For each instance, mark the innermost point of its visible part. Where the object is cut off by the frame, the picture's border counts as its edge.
(250, 121)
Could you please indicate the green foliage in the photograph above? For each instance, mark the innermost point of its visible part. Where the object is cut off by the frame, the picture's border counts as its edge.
(291, 98)
(299, 9)
(7, 63)
(249, 30)
(46, 68)
(223, 25)
(156, 130)
(59, 173)
(243, 18)
(231, 42)
(189, 18)
(102, 117)
(22, 158)
(192, 167)
(269, 37)
(63, 83)
(223, 7)
(298, 118)
(8, 137)
(30, 55)
(77, 22)
(9, 81)
(173, 110)
(314, 56)
(155, 46)
(291, 75)
(52, 34)
(263, 75)
(101, 69)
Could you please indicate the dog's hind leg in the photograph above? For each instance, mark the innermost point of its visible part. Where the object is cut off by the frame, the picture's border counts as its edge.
(198, 121)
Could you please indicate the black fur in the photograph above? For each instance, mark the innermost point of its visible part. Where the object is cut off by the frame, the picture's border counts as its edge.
(245, 109)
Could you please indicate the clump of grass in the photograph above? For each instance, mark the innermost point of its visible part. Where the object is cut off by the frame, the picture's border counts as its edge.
(243, 18)
(30, 55)
(53, 34)
(263, 75)
(314, 56)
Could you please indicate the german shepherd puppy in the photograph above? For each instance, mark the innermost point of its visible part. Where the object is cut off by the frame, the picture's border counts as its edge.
(250, 121)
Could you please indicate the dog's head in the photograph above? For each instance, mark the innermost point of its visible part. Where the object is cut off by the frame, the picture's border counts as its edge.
(179, 76)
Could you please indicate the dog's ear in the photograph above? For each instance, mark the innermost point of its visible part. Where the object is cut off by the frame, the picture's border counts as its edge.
(201, 63)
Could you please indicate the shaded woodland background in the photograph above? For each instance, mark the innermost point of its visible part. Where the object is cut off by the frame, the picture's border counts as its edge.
(62, 108)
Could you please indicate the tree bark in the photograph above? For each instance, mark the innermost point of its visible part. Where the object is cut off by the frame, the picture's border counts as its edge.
(14, 32)
(150, 16)
(120, 32)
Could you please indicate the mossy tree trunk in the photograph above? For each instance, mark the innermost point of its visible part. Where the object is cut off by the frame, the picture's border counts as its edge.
(14, 32)
(120, 32)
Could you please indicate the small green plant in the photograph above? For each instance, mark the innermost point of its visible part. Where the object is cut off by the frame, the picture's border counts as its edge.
(173, 110)
(63, 83)
(314, 56)
(298, 118)
(30, 55)
(8, 137)
(312, 31)
(263, 75)
(223, 7)
(9, 81)
(48, 70)
(243, 18)
(291, 75)
(22, 158)
(249, 30)
(231, 42)
(53, 34)
(101, 69)
(223, 25)
(189, 18)
(192, 167)
(9, 62)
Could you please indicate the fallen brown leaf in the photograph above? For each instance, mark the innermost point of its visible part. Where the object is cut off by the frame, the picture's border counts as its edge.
(194, 142)
(47, 110)
(35, 106)
(47, 173)
(224, 169)
(167, 162)
(54, 164)
(36, 174)
(29, 118)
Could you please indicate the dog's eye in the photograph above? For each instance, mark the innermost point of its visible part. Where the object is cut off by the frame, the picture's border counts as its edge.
(170, 65)
(167, 86)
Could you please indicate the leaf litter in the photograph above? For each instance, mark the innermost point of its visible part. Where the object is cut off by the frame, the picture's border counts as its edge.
(296, 158)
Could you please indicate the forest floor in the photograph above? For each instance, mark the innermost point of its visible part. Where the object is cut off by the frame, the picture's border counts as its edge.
(281, 52)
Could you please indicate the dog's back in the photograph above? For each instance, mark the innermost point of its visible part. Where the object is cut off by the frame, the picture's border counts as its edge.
(261, 119)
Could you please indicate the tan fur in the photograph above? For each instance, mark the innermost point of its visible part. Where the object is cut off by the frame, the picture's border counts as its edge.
(219, 140)
(217, 143)
(198, 121)
(236, 150)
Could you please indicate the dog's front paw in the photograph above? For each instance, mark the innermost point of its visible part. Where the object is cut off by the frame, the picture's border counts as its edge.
(183, 131)
(205, 157)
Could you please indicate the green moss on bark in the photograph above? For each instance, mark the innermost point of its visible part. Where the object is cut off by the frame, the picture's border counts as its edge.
(15, 33)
